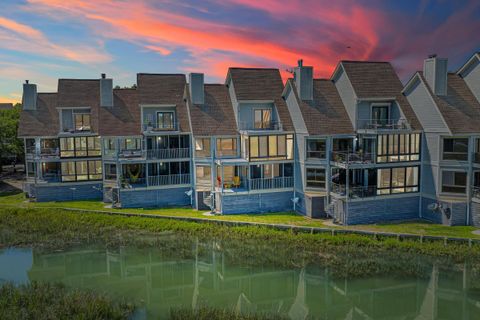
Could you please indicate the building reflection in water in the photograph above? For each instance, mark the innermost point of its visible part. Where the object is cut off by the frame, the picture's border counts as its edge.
(159, 283)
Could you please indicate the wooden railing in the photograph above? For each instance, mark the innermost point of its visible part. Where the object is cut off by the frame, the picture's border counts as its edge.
(168, 153)
(270, 183)
(165, 180)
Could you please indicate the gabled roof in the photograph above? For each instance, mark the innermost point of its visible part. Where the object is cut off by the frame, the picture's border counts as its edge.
(75, 93)
(261, 84)
(43, 121)
(474, 58)
(164, 89)
(124, 118)
(459, 108)
(325, 114)
(216, 116)
(6, 106)
(371, 80)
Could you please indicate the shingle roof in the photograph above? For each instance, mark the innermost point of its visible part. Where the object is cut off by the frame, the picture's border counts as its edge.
(216, 116)
(459, 108)
(325, 114)
(74, 93)
(164, 89)
(43, 121)
(261, 84)
(124, 118)
(6, 106)
(379, 80)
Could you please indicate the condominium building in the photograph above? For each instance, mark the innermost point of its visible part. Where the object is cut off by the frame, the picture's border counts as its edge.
(358, 146)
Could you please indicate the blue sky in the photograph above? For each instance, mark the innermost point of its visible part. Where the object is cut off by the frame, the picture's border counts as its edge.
(43, 40)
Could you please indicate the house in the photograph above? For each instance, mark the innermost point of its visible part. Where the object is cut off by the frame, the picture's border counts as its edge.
(358, 144)
(243, 140)
(447, 105)
(62, 144)
(6, 106)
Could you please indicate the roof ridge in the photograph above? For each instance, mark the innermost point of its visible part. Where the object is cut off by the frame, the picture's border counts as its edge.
(252, 68)
(364, 61)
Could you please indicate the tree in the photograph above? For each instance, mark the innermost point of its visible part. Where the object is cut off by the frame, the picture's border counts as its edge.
(10, 146)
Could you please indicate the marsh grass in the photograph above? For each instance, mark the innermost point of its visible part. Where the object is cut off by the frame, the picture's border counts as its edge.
(54, 301)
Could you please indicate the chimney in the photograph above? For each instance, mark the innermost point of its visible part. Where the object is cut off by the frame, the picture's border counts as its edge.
(304, 81)
(106, 91)
(29, 97)
(435, 71)
(196, 86)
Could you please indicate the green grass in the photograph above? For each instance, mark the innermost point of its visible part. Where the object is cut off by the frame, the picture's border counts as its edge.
(208, 313)
(287, 218)
(54, 301)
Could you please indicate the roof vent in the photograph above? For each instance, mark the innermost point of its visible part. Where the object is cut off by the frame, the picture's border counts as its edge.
(104, 76)
(433, 55)
(300, 62)
(26, 81)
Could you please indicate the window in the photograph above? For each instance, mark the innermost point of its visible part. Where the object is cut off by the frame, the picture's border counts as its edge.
(397, 180)
(31, 169)
(316, 148)
(202, 147)
(380, 115)
(455, 149)
(131, 144)
(454, 182)
(82, 121)
(81, 170)
(315, 178)
(263, 118)
(203, 176)
(273, 146)
(398, 147)
(165, 120)
(226, 146)
(80, 147)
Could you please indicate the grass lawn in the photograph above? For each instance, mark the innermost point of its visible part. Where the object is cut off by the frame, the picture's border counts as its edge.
(287, 218)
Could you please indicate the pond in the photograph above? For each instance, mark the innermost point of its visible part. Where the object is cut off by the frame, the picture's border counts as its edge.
(207, 274)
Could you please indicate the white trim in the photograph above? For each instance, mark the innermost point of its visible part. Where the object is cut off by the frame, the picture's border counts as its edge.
(468, 63)
(452, 194)
(256, 101)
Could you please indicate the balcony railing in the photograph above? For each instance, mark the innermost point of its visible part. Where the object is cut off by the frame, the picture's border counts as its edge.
(458, 156)
(51, 177)
(44, 152)
(131, 154)
(165, 180)
(476, 192)
(168, 153)
(259, 126)
(351, 157)
(160, 127)
(383, 124)
(271, 183)
(354, 191)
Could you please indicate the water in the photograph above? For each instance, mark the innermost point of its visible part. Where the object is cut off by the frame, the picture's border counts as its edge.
(208, 274)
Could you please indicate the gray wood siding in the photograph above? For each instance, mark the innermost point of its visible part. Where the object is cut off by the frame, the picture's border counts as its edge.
(347, 95)
(295, 113)
(233, 98)
(425, 109)
(472, 78)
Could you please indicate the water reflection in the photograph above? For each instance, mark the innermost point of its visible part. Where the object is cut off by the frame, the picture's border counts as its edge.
(159, 282)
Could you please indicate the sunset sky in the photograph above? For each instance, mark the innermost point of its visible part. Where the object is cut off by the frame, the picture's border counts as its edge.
(43, 40)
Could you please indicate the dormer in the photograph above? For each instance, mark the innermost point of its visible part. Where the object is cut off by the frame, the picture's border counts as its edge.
(470, 72)
(75, 120)
(159, 118)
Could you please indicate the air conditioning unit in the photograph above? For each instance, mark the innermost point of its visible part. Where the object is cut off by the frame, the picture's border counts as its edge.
(434, 206)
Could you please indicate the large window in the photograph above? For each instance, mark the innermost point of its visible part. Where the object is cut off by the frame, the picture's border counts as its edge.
(316, 178)
(380, 115)
(455, 149)
(226, 147)
(263, 118)
(273, 146)
(398, 147)
(80, 147)
(316, 148)
(202, 147)
(82, 121)
(110, 171)
(81, 170)
(131, 144)
(397, 180)
(165, 120)
(454, 182)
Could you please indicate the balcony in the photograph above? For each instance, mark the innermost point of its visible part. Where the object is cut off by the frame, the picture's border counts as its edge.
(31, 153)
(166, 180)
(177, 153)
(350, 157)
(270, 183)
(159, 127)
(354, 192)
(260, 126)
(131, 154)
(456, 156)
(382, 124)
